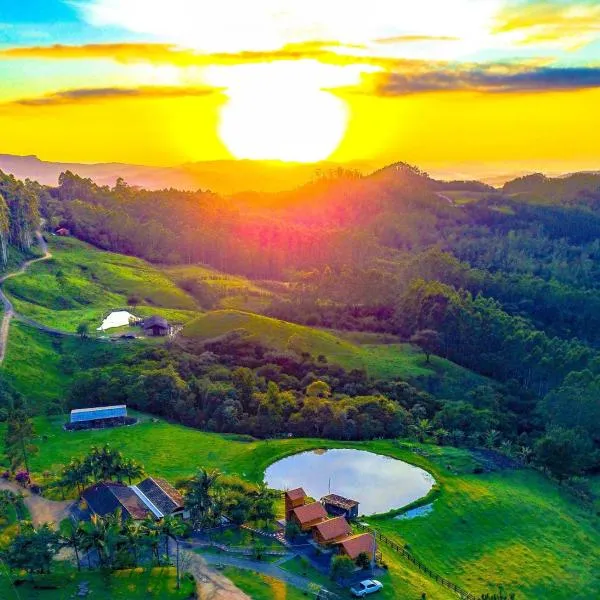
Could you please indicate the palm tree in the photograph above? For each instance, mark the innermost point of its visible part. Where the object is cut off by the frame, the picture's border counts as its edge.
(172, 527)
(525, 453)
(131, 470)
(491, 438)
(199, 500)
(263, 504)
(133, 533)
(152, 536)
(73, 536)
(422, 429)
(74, 475)
(92, 532)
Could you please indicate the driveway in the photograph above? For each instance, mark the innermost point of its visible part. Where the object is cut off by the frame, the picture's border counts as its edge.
(40, 509)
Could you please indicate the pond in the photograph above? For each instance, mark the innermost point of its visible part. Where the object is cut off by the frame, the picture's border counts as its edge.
(378, 482)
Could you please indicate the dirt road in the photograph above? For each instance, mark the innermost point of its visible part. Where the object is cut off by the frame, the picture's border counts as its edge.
(9, 311)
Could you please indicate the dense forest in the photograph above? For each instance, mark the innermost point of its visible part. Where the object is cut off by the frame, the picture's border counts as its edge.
(503, 282)
(19, 214)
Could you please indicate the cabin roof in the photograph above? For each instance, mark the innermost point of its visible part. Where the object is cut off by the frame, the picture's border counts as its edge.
(333, 528)
(296, 494)
(310, 512)
(340, 501)
(156, 321)
(357, 544)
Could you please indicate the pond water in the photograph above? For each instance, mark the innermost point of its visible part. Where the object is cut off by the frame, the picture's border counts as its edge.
(378, 482)
(118, 318)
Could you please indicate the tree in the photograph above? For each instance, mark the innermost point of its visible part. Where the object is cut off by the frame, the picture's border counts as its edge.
(19, 435)
(33, 549)
(172, 527)
(83, 329)
(73, 536)
(318, 389)
(564, 452)
(264, 504)
(363, 560)
(199, 498)
(74, 475)
(342, 567)
(132, 470)
(428, 340)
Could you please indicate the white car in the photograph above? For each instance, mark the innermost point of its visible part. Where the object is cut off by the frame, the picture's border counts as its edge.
(366, 587)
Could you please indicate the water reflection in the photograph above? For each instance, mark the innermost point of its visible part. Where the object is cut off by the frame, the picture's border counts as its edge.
(378, 482)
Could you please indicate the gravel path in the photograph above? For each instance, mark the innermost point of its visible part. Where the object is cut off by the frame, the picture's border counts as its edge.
(41, 509)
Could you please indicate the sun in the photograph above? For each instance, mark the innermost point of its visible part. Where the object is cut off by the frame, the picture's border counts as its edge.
(288, 125)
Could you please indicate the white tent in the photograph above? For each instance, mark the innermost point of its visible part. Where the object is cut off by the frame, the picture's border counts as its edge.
(116, 319)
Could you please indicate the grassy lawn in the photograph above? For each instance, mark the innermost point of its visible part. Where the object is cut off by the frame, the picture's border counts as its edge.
(82, 284)
(40, 366)
(401, 580)
(510, 527)
(262, 587)
(129, 584)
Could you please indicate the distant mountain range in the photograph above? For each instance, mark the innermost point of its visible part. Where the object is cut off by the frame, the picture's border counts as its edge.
(223, 176)
(235, 176)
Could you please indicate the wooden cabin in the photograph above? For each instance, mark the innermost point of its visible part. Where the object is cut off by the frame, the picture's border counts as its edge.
(357, 544)
(293, 499)
(155, 326)
(340, 506)
(331, 531)
(309, 515)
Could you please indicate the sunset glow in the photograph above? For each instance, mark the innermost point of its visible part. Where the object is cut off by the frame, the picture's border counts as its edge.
(302, 81)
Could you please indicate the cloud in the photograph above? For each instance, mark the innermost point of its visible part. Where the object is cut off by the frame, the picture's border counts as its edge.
(488, 79)
(172, 55)
(560, 22)
(87, 95)
(407, 39)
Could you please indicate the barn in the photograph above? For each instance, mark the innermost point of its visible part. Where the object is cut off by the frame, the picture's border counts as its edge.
(99, 417)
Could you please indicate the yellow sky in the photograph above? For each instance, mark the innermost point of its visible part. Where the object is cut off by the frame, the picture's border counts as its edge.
(444, 82)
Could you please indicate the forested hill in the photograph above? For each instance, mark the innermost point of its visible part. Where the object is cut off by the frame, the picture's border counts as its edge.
(496, 282)
(577, 188)
(19, 214)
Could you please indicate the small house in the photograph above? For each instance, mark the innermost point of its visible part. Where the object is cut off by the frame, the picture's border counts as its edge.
(357, 544)
(340, 506)
(103, 499)
(293, 499)
(331, 531)
(156, 326)
(98, 417)
(309, 515)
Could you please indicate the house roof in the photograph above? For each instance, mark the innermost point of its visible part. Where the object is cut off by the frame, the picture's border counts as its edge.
(310, 512)
(296, 494)
(161, 494)
(356, 544)
(333, 528)
(104, 498)
(340, 501)
(156, 321)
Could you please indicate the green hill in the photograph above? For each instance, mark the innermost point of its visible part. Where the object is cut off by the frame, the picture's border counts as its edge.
(383, 361)
(82, 284)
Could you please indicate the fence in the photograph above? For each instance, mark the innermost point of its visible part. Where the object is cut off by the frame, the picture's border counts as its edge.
(415, 561)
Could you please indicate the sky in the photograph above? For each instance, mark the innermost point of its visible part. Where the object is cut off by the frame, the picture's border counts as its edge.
(438, 83)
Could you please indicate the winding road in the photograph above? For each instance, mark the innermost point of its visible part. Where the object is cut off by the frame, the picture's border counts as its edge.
(9, 311)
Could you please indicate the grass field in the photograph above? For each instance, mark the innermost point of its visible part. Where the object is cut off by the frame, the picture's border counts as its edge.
(513, 527)
(40, 366)
(128, 584)
(385, 361)
(81, 284)
(262, 587)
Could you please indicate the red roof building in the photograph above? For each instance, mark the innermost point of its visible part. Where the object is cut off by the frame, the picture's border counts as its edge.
(357, 544)
(332, 531)
(309, 515)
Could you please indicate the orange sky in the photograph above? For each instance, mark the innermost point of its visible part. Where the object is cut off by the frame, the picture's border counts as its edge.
(448, 83)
